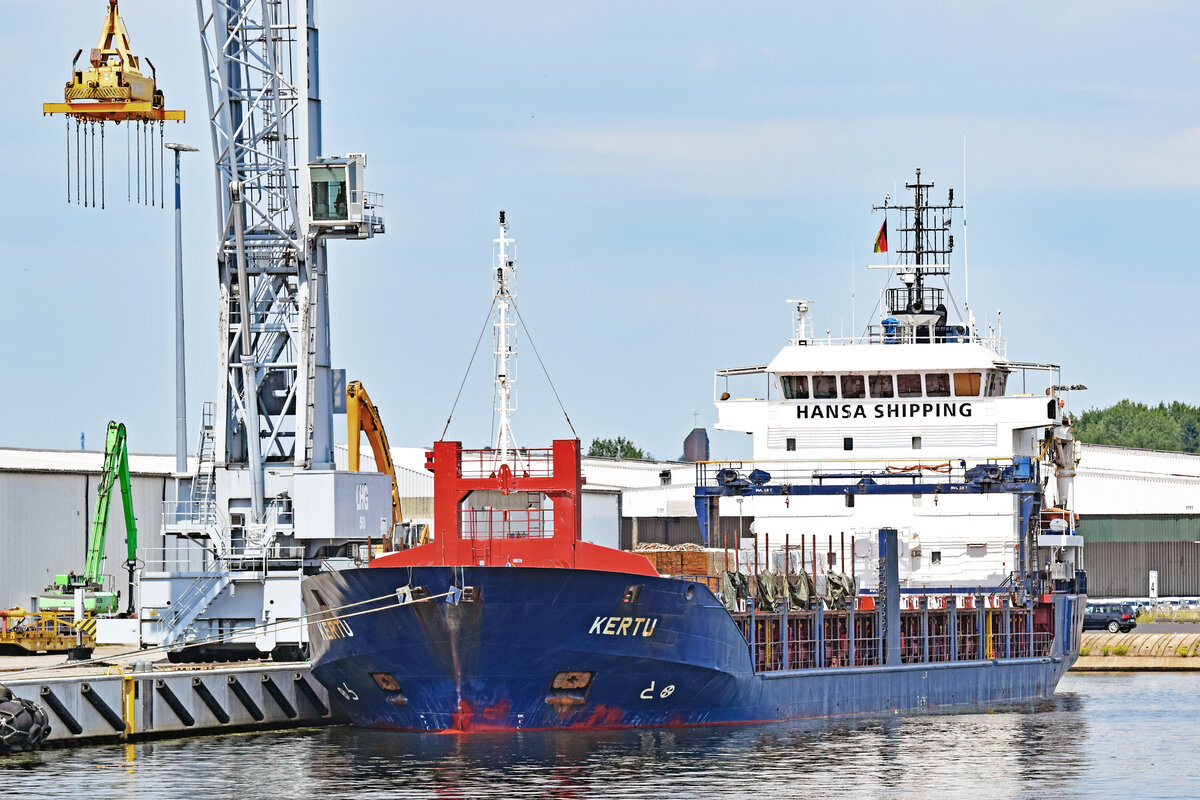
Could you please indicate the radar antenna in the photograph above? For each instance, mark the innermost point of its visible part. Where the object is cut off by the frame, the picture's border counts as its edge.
(925, 248)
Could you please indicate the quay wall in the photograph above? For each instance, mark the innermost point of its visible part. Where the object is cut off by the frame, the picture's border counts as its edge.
(133, 704)
(1140, 652)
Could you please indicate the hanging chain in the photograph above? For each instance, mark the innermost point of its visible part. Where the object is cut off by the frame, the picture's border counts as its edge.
(101, 165)
(92, 137)
(77, 168)
(150, 158)
(85, 165)
(162, 200)
(68, 159)
(138, 160)
(128, 171)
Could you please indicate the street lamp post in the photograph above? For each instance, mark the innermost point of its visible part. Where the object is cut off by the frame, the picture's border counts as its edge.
(180, 383)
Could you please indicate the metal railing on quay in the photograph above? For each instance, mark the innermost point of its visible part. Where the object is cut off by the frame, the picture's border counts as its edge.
(200, 513)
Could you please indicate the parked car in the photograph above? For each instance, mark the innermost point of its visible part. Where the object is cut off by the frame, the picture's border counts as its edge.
(1111, 617)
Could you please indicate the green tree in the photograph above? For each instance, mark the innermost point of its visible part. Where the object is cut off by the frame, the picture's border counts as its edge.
(619, 447)
(1129, 424)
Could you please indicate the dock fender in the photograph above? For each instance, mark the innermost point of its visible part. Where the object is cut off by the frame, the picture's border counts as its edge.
(23, 723)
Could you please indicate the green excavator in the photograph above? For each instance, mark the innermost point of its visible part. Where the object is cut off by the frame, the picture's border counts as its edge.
(96, 598)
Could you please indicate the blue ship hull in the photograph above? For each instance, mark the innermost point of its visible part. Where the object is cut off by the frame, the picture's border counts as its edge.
(538, 648)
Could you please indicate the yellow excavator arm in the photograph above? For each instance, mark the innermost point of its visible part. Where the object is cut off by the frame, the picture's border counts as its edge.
(363, 417)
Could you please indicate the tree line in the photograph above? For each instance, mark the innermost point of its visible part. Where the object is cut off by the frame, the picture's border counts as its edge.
(1129, 424)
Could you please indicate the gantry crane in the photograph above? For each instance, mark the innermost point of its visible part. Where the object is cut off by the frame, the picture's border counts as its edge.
(266, 504)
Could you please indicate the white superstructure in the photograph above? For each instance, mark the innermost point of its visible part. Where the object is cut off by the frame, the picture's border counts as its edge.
(915, 396)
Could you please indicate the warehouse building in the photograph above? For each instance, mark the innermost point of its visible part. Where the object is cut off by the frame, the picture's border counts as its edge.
(1138, 513)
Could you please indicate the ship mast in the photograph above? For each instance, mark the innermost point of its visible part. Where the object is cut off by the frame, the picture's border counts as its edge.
(504, 330)
(926, 245)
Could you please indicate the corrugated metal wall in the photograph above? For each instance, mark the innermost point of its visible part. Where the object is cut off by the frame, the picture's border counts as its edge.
(44, 521)
(1121, 569)
(1140, 528)
(680, 530)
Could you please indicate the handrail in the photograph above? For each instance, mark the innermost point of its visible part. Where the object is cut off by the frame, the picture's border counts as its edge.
(194, 594)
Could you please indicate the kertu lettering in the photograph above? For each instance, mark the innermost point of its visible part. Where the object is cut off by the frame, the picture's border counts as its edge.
(624, 626)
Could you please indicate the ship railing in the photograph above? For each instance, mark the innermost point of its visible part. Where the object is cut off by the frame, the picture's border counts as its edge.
(887, 334)
(802, 639)
(777, 471)
(500, 523)
(533, 462)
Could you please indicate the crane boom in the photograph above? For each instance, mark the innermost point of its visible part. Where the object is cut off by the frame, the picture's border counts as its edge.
(363, 417)
(116, 469)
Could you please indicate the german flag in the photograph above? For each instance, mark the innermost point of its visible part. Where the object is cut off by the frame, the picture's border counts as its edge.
(881, 239)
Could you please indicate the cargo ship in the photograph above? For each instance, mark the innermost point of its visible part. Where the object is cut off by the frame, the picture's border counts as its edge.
(965, 584)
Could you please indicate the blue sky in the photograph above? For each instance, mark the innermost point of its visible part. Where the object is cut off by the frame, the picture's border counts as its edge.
(672, 171)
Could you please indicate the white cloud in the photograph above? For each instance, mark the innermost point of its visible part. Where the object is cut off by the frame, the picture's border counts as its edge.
(771, 158)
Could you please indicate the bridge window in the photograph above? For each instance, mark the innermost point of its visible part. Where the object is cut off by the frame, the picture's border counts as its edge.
(825, 387)
(966, 384)
(881, 386)
(909, 385)
(795, 387)
(853, 387)
(996, 384)
(937, 384)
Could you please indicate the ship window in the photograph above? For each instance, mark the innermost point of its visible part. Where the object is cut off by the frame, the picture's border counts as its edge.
(795, 387)
(966, 384)
(848, 443)
(909, 385)
(824, 387)
(937, 384)
(935, 557)
(916, 443)
(996, 384)
(853, 387)
(881, 386)
(791, 444)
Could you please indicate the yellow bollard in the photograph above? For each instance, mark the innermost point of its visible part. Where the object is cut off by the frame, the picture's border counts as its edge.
(128, 685)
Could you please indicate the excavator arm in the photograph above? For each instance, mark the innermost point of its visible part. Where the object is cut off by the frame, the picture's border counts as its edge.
(363, 417)
(116, 470)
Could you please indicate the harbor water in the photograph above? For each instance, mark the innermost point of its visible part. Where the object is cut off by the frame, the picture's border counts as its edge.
(1103, 735)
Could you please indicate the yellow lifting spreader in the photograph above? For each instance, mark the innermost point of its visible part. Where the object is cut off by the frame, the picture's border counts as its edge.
(113, 89)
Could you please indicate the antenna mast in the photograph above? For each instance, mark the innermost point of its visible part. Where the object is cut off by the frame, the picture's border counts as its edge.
(504, 284)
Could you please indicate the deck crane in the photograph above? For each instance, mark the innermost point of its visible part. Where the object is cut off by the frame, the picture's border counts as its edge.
(98, 600)
(363, 417)
(113, 88)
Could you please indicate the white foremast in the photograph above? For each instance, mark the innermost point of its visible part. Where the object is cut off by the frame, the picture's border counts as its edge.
(504, 284)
